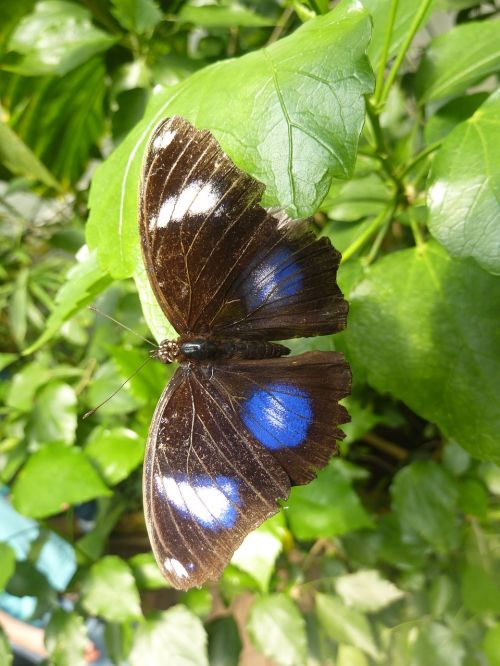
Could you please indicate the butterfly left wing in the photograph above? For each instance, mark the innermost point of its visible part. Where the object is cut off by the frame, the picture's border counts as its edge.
(225, 443)
(207, 483)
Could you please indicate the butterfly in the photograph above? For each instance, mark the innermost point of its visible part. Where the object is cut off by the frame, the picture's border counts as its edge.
(240, 422)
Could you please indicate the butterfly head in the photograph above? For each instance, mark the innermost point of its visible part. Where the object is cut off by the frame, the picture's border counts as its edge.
(166, 352)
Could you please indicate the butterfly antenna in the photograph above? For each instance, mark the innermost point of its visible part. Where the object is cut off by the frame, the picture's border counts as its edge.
(103, 314)
(94, 410)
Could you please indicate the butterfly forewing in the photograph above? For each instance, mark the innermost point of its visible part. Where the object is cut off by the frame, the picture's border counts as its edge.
(220, 263)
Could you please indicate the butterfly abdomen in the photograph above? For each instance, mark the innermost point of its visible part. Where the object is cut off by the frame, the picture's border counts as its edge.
(209, 349)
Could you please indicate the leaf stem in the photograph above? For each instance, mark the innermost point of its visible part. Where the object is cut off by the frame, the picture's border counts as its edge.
(420, 156)
(424, 6)
(381, 149)
(380, 237)
(415, 229)
(365, 235)
(385, 51)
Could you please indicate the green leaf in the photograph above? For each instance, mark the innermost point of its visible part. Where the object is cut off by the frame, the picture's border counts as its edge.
(260, 549)
(57, 37)
(345, 625)
(54, 477)
(174, 637)
(464, 193)
(290, 115)
(326, 507)
(139, 16)
(277, 629)
(350, 656)
(19, 159)
(66, 639)
(367, 591)
(83, 283)
(61, 118)
(424, 497)
(115, 452)
(405, 13)
(54, 415)
(224, 642)
(437, 646)
(158, 324)
(449, 69)
(473, 498)
(146, 572)
(448, 116)
(7, 563)
(214, 16)
(491, 645)
(18, 307)
(480, 588)
(439, 318)
(6, 359)
(109, 591)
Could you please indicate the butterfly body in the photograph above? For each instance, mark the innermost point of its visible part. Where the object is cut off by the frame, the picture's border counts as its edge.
(211, 349)
(240, 421)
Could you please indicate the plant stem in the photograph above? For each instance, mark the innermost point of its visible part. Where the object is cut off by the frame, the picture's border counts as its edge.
(365, 235)
(420, 156)
(415, 229)
(424, 6)
(380, 237)
(381, 148)
(385, 52)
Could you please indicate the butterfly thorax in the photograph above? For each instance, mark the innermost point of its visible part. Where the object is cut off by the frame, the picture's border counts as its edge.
(216, 348)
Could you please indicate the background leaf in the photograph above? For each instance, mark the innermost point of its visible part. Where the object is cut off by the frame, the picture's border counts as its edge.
(109, 591)
(54, 477)
(452, 356)
(464, 192)
(449, 69)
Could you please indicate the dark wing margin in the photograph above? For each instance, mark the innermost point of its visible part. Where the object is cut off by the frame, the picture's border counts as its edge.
(217, 261)
(207, 484)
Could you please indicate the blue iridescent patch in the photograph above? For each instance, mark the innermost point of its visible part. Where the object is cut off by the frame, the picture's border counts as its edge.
(279, 416)
(277, 276)
(211, 502)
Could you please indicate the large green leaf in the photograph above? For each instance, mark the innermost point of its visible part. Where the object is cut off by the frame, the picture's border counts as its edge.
(57, 37)
(109, 590)
(7, 563)
(425, 327)
(464, 193)
(213, 16)
(424, 497)
(458, 59)
(367, 591)
(174, 637)
(289, 114)
(437, 645)
(53, 478)
(277, 629)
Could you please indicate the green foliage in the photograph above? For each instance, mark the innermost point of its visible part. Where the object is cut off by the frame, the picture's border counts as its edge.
(389, 138)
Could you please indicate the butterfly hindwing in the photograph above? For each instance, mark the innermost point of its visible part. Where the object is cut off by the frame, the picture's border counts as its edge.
(226, 443)
(206, 482)
(220, 263)
(291, 406)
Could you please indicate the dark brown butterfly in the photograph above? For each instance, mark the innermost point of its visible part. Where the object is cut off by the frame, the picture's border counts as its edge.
(238, 424)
